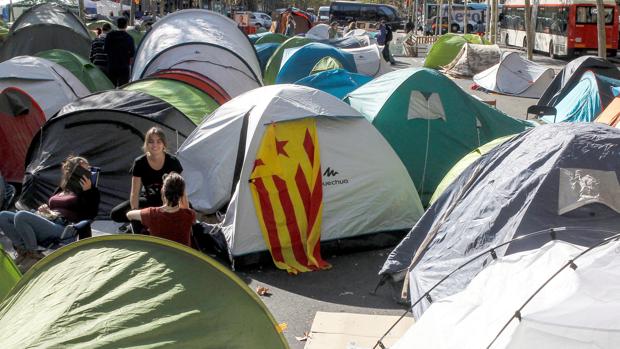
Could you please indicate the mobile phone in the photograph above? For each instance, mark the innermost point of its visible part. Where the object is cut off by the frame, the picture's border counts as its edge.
(94, 175)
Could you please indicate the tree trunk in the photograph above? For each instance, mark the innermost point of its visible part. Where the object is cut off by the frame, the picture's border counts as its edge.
(529, 33)
(132, 12)
(600, 24)
(439, 18)
(493, 20)
(449, 16)
(487, 20)
(465, 20)
(81, 9)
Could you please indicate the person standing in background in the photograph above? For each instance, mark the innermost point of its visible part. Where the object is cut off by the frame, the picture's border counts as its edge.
(119, 47)
(98, 56)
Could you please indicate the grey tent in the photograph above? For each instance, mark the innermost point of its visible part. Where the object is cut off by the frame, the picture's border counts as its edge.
(107, 128)
(45, 27)
(556, 175)
(571, 75)
(472, 59)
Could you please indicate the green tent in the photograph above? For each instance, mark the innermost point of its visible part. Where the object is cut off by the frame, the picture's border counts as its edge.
(121, 291)
(326, 63)
(460, 166)
(9, 274)
(447, 47)
(430, 121)
(192, 102)
(91, 76)
(273, 65)
(271, 37)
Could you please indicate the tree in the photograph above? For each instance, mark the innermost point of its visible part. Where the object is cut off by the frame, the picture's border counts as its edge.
(529, 35)
(600, 24)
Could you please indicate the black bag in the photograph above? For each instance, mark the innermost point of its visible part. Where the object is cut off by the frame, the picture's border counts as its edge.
(388, 34)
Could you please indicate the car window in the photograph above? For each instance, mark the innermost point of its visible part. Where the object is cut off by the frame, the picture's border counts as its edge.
(387, 13)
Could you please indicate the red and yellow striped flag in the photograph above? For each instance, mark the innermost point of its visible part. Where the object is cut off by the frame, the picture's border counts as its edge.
(287, 189)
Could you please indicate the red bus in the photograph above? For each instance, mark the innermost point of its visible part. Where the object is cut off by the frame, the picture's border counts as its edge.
(563, 28)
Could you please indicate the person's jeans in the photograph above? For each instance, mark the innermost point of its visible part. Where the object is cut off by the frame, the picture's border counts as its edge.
(26, 229)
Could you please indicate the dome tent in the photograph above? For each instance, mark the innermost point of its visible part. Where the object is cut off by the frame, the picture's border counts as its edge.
(44, 27)
(203, 42)
(430, 121)
(337, 82)
(265, 51)
(274, 63)
(447, 47)
(298, 62)
(93, 78)
(562, 176)
(219, 157)
(472, 59)
(97, 127)
(134, 291)
(196, 80)
(20, 119)
(49, 84)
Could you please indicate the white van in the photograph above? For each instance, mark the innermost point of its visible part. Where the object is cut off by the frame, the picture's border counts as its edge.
(324, 14)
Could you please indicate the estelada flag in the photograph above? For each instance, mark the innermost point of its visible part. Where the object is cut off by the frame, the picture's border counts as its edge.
(286, 184)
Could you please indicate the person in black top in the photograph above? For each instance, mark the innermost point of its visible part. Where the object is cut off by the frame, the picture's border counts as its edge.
(120, 49)
(98, 56)
(147, 173)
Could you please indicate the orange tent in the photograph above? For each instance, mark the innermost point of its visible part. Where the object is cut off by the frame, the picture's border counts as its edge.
(611, 114)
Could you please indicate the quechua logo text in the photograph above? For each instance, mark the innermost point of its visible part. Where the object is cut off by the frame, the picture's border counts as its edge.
(328, 177)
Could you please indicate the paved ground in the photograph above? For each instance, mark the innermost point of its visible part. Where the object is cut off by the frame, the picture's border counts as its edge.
(347, 286)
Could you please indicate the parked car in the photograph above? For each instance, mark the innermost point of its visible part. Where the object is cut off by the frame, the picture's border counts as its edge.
(259, 19)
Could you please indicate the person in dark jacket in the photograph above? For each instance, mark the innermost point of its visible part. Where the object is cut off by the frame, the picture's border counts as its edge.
(98, 56)
(120, 49)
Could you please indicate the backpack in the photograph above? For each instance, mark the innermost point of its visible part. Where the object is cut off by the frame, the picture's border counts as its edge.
(388, 34)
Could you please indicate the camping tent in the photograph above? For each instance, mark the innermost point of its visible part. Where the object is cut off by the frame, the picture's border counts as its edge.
(274, 63)
(108, 129)
(269, 37)
(430, 121)
(611, 114)
(264, 52)
(365, 188)
(20, 118)
(9, 274)
(298, 62)
(460, 166)
(516, 76)
(562, 176)
(303, 23)
(337, 82)
(447, 47)
(191, 101)
(585, 100)
(196, 80)
(326, 63)
(319, 32)
(368, 60)
(134, 292)
(571, 75)
(44, 27)
(204, 42)
(472, 59)
(93, 78)
(51, 85)
(577, 309)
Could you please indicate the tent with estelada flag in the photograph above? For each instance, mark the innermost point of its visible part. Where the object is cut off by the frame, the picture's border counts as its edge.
(299, 167)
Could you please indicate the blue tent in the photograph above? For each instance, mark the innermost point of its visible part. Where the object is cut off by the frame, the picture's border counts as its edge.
(585, 101)
(301, 61)
(264, 52)
(337, 82)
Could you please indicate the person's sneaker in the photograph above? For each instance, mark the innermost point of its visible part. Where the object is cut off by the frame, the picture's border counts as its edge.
(125, 228)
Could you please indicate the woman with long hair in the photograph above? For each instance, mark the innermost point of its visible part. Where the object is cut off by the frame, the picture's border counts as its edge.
(174, 219)
(71, 203)
(147, 173)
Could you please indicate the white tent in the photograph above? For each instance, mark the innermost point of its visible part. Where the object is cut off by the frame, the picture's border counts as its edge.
(365, 186)
(473, 59)
(579, 308)
(204, 42)
(318, 32)
(49, 84)
(516, 76)
(369, 61)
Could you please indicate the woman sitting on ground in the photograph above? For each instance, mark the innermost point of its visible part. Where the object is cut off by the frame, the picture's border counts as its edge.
(147, 171)
(173, 220)
(27, 230)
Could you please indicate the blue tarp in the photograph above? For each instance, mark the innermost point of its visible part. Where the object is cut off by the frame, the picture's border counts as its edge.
(264, 52)
(585, 101)
(300, 64)
(337, 82)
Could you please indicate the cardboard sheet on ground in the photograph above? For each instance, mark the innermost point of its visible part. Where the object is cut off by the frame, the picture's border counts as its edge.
(353, 331)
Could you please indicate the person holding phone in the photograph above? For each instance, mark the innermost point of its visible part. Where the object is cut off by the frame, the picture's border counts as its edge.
(69, 204)
(174, 219)
(147, 177)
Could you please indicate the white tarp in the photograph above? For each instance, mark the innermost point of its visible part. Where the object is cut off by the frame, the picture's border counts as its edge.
(473, 59)
(516, 76)
(204, 42)
(367, 189)
(369, 61)
(49, 84)
(578, 309)
(318, 32)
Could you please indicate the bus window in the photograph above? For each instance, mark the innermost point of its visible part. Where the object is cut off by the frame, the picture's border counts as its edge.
(587, 15)
(520, 19)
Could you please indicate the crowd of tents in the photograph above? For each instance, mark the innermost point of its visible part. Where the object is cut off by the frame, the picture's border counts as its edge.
(398, 149)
